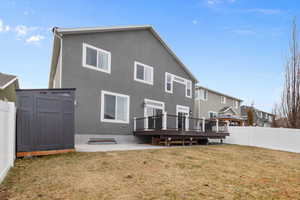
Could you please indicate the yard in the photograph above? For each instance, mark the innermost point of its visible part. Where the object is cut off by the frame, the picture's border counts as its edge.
(199, 172)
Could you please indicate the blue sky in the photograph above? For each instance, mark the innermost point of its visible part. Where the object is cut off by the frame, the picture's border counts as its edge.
(237, 47)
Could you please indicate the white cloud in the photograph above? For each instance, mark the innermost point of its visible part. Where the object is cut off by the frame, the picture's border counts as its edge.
(4, 28)
(35, 39)
(262, 11)
(195, 21)
(23, 30)
(214, 2)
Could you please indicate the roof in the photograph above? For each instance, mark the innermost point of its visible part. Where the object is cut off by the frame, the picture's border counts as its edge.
(59, 32)
(226, 108)
(257, 110)
(6, 80)
(213, 91)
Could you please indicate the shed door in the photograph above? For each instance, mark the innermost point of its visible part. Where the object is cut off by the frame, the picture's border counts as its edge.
(45, 122)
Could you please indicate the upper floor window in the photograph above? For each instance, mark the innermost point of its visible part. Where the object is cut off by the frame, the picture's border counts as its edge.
(188, 86)
(96, 58)
(114, 107)
(202, 94)
(143, 73)
(169, 83)
(223, 100)
(236, 104)
(170, 78)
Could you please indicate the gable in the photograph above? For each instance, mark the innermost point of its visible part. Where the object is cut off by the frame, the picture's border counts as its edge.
(60, 33)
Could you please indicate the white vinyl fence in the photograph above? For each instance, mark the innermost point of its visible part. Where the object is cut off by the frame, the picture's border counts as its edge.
(272, 138)
(7, 137)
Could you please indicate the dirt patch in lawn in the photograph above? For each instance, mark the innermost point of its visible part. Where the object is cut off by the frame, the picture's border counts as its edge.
(199, 172)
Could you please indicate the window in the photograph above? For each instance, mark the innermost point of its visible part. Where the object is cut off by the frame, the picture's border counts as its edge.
(236, 104)
(143, 73)
(188, 86)
(170, 78)
(202, 94)
(223, 100)
(169, 83)
(96, 58)
(114, 107)
(212, 114)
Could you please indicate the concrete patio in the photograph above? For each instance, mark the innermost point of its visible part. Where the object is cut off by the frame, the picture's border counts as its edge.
(114, 147)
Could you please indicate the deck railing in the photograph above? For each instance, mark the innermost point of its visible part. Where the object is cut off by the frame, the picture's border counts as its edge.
(179, 123)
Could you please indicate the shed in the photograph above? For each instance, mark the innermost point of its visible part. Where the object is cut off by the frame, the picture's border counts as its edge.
(45, 121)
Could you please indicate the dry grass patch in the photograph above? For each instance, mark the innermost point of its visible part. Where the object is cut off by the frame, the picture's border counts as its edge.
(199, 172)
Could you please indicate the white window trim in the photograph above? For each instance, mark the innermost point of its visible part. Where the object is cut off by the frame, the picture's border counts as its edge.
(152, 106)
(146, 66)
(171, 91)
(184, 109)
(181, 81)
(223, 102)
(103, 92)
(236, 104)
(186, 88)
(84, 46)
(212, 112)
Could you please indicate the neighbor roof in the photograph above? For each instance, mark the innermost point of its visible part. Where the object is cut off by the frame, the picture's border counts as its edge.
(58, 32)
(213, 91)
(6, 80)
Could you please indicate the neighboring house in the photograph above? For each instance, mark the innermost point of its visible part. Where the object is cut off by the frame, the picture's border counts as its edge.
(210, 104)
(119, 73)
(260, 118)
(8, 85)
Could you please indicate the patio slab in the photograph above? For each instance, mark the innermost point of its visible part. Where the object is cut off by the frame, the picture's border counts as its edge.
(114, 147)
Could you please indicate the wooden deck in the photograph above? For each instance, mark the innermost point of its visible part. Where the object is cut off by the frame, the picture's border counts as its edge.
(190, 133)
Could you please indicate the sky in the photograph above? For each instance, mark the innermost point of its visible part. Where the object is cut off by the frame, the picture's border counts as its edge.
(237, 47)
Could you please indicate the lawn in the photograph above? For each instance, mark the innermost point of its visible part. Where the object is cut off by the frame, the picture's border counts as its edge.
(198, 172)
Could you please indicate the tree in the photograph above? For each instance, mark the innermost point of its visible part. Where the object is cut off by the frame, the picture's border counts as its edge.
(290, 99)
(250, 117)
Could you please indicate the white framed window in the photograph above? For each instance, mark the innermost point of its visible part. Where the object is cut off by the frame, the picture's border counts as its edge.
(236, 104)
(170, 78)
(151, 106)
(202, 94)
(96, 58)
(212, 114)
(223, 100)
(188, 89)
(114, 107)
(143, 73)
(168, 82)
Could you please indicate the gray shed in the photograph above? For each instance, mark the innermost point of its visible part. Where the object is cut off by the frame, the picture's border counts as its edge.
(45, 121)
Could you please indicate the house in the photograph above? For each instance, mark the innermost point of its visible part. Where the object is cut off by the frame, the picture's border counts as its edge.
(210, 104)
(260, 118)
(8, 85)
(120, 74)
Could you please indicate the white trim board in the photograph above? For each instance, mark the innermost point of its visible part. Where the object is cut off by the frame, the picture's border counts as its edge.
(8, 83)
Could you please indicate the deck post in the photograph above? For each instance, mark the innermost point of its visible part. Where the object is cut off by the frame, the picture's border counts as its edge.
(217, 125)
(187, 123)
(134, 124)
(146, 123)
(164, 121)
(203, 124)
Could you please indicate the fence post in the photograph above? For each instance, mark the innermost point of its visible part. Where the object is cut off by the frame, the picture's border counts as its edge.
(164, 125)
(203, 124)
(217, 125)
(134, 124)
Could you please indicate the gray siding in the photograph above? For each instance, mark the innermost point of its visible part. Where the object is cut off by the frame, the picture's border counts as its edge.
(125, 47)
(213, 104)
